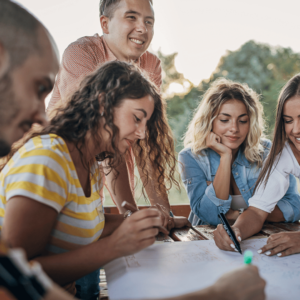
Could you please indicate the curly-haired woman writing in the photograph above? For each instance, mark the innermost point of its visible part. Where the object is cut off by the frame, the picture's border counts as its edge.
(50, 192)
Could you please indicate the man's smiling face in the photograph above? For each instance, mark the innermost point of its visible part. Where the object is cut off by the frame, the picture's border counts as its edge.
(131, 29)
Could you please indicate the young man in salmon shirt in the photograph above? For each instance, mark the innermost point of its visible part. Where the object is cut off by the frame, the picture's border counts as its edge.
(128, 29)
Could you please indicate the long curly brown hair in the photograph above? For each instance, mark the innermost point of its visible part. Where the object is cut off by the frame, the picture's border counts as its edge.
(108, 86)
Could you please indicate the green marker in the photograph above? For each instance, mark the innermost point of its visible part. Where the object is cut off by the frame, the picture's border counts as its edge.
(248, 257)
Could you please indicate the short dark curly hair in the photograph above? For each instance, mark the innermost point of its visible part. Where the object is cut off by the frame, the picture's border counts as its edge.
(108, 7)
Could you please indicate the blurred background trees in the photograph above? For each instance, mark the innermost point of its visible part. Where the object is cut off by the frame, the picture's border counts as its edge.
(263, 67)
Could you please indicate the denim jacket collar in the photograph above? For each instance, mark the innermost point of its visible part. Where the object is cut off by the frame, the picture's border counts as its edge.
(215, 160)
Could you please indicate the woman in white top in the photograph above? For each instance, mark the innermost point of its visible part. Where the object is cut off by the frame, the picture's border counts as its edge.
(273, 182)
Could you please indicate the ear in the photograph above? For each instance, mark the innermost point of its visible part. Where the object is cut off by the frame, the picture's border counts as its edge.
(4, 60)
(104, 21)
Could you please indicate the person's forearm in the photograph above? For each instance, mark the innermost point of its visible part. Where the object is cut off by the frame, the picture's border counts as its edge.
(120, 188)
(112, 222)
(70, 266)
(57, 293)
(250, 221)
(205, 294)
(276, 215)
(221, 182)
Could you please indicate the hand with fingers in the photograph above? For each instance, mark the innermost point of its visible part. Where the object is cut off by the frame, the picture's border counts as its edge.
(136, 232)
(164, 215)
(282, 244)
(214, 142)
(181, 222)
(223, 240)
(242, 284)
(172, 222)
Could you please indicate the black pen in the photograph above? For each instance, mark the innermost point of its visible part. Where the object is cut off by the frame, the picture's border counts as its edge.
(230, 232)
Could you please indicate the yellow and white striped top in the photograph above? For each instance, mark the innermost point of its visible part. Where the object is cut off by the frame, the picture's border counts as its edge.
(44, 171)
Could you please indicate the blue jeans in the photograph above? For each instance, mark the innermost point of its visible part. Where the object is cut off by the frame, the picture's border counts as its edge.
(88, 286)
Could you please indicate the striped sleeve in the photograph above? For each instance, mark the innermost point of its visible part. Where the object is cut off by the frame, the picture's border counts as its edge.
(41, 175)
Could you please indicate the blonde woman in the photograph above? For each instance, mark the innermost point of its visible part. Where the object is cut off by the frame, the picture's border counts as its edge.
(223, 156)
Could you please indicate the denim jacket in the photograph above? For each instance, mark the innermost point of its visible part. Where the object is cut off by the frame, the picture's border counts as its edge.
(196, 169)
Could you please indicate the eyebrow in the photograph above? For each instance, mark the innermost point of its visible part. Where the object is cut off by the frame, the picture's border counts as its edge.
(285, 116)
(227, 115)
(137, 13)
(143, 111)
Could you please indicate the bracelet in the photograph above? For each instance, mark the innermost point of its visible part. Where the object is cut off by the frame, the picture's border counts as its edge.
(127, 214)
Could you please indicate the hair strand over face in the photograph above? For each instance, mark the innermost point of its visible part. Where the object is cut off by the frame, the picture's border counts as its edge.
(291, 89)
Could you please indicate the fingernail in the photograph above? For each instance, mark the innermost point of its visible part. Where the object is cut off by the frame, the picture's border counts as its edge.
(279, 254)
(259, 251)
(268, 253)
(240, 239)
(236, 250)
(232, 246)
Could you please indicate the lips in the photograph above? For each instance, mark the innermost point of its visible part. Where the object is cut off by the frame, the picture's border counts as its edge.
(137, 41)
(297, 139)
(232, 138)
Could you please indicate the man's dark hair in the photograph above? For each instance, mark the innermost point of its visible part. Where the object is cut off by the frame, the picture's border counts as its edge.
(108, 7)
(18, 32)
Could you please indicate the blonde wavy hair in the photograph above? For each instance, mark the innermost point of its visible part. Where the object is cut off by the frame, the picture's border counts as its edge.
(220, 91)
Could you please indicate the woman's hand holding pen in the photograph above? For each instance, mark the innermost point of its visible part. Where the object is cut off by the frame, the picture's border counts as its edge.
(223, 240)
(172, 222)
(135, 233)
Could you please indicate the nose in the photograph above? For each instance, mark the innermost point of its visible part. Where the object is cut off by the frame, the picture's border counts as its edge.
(141, 132)
(40, 116)
(234, 127)
(296, 127)
(141, 27)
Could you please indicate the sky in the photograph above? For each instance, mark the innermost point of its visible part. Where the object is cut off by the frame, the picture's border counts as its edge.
(199, 31)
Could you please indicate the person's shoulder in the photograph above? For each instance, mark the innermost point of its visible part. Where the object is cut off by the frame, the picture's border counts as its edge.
(150, 62)
(266, 143)
(286, 161)
(87, 45)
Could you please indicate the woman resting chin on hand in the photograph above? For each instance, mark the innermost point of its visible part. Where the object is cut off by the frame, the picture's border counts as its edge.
(275, 178)
(224, 152)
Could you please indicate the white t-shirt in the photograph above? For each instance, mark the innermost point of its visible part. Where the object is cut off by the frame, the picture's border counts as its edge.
(267, 196)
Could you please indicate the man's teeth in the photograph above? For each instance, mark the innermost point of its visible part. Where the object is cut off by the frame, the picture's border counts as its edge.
(298, 139)
(137, 41)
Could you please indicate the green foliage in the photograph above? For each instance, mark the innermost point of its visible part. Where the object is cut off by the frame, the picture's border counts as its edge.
(264, 68)
(170, 74)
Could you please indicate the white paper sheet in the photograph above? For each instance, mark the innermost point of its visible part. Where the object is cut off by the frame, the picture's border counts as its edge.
(172, 269)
